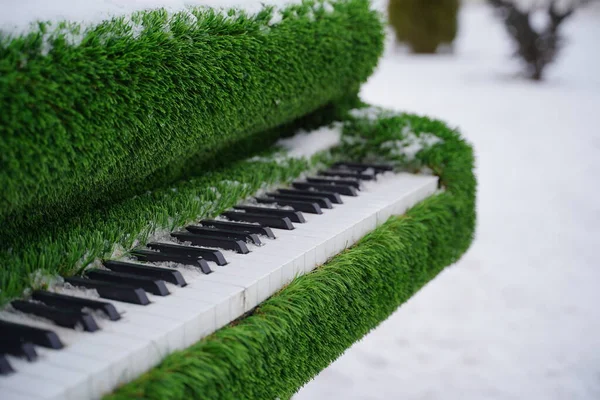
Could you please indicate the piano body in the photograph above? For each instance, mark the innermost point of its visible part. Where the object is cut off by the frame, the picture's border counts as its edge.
(215, 245)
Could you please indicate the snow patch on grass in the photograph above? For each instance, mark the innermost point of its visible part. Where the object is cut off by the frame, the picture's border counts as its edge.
(18, 17)
(372, 113)
(42, 279)
(411, 144)
(276, 18)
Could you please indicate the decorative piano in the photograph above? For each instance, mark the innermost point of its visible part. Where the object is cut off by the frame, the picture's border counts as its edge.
(196, 204)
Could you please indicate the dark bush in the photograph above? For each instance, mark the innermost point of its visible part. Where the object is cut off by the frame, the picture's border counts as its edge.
(535, 47)
(424, 24)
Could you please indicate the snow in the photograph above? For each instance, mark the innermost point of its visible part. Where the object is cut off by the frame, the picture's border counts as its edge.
(411, 145)
(518, 316)
(16, 16)
(305, 144)
(371, 113)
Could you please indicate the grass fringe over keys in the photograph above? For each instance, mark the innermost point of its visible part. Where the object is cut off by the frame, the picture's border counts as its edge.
(94, 115)
(299, 331)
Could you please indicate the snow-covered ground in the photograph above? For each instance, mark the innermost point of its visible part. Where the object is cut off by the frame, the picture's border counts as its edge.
(519, 316)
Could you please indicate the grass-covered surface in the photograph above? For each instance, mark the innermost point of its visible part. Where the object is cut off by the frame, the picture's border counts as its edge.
(94, 115)
(296, 333)
(112, 133)
(67, 248)
(113, 230)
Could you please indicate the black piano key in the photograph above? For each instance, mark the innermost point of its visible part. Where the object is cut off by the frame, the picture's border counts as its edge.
(240, 226)
(364, 166)
(5, 367)
(266, 220)
(150, 285)
(61, 317)
(239, 246)
(213, 255)
(348, 174)
(331, 181)
(18, 348)
(166, 274)
(294, 216)
(76, 303)
(226, 233)
(306, 206)
(38, 336)
(335, 198)
(160, 256)
(323, 202)
(114, 291)
(341, 189)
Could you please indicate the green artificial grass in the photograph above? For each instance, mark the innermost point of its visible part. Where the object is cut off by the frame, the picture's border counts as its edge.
(296, 333)
(114, 230)
(114, 133)
(66, 248)
(93, 116)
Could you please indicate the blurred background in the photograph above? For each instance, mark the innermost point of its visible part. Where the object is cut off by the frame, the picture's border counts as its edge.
(518, 317)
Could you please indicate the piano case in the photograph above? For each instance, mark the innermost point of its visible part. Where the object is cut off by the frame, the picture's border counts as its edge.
(287, 340)
(108, 143)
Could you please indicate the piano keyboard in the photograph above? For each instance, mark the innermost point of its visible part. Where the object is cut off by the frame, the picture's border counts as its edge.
(83, 338)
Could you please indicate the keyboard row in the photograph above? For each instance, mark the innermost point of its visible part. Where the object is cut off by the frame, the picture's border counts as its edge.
(175, 291)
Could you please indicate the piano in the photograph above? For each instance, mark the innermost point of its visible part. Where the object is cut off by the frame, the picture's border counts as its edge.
(86, 335)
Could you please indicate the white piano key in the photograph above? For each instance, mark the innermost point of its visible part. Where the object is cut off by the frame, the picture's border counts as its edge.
(64, 359)
(29, 386)
(71, 380)
(117, 363)
(290, 268)
(265, 270)
(10, 394)
(320, 241)
(257, 270)
(287, 263)
(229, 299)
(133, 351)
(262, 269)
(86, 375)
(300, 250)
(198, 316)
(208, 305)
(104, 350)
(163, 324)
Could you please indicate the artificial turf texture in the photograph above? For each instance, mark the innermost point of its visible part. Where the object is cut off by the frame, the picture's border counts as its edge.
(111, 231)
(35, 257)
(142, 128)
(299, 331)
(93, 116)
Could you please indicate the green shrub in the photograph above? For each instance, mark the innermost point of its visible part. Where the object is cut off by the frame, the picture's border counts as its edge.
(424, 24)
